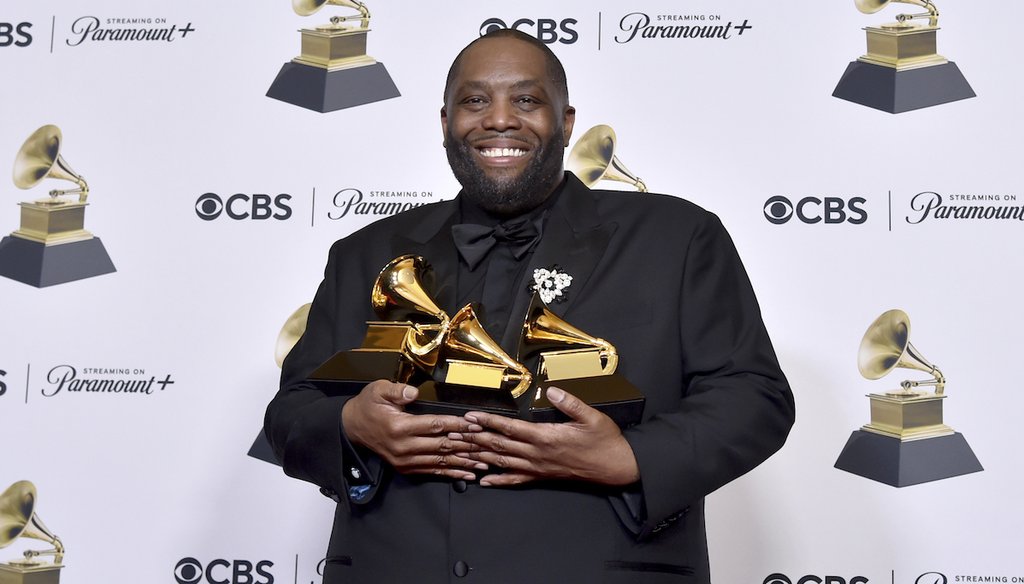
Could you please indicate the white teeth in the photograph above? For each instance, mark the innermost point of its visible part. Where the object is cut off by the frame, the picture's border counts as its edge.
(496, 152)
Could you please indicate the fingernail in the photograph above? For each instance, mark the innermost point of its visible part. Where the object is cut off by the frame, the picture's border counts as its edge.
(555, 395)
(469, 476)
(409, 392)
(472, 418)
(480, 466)
(485, 482)
(454, 436)
(475, 428)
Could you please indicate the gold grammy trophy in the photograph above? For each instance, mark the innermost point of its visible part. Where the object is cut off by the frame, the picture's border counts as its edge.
(472, 372)
(593, 159)
(333, 70)
(906, 442)
(902, 70)
(18, 519)
(51, 246)
(578, 363)
(406, 339)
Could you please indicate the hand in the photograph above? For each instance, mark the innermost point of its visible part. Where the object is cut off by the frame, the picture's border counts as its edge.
(376, 419)
(588, 447)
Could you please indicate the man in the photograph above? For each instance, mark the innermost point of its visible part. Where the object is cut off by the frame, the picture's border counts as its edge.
(432, 498)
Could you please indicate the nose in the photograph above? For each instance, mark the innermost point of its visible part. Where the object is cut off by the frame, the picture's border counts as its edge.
(502, 116)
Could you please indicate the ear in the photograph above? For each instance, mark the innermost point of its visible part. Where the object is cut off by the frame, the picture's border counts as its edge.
(568, 119)
(444, 126)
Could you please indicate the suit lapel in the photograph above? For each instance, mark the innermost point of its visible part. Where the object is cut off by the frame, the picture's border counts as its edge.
(575, 241)
(431, 238)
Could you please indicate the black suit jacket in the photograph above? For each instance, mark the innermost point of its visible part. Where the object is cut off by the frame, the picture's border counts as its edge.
(656, 276)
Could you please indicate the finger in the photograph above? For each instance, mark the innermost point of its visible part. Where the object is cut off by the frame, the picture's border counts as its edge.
(393, 393)
(449, 461)
(503, 461)
(510, 427)
(572, 406)
(437, 425)
(451, 473)
(507, 479)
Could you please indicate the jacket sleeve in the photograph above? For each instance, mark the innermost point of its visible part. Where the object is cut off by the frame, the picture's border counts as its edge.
(735, 407)
(302, 423)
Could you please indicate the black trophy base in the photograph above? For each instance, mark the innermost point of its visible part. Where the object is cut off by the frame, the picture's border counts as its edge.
(261, 450)
(39, 265)
(456, 400)
(322, 91)
(889, 90)
(611, 395)
(347, 372)
(901, 464)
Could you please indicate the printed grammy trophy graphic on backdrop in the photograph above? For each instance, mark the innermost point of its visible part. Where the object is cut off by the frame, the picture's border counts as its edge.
(906, 442)
(333, 72)
(52, 245)
(18, 519)
(901, 70)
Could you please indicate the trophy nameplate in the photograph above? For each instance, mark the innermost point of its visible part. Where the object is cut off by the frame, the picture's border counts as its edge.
(902, 70)
(906, 442)
(51, 246)
(333, 71)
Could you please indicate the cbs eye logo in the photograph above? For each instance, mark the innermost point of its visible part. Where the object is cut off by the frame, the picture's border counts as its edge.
(811, 579)
(546, 30)
(240, 206)
(811, 210)
(220, 571)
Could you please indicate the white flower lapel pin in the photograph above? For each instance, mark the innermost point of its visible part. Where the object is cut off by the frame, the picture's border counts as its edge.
(551, 283)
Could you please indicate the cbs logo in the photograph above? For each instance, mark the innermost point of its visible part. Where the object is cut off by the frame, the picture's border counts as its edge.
(810, 210)
(546, 30)
(219, 571)
(241, 206)
(3, 386)
(15, 34)
(783, 579)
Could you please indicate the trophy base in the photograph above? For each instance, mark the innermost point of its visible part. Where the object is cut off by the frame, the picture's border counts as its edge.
(30, 574)
(40, 265)
(455, 400)
(889, 90)
(322, 90)
(903, 463)
(347, 372)
(611, 395)
(261, 450)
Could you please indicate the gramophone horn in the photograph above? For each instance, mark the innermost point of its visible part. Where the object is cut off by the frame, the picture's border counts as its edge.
(593, 159)
(39, 158)
(544, 330)
(870, 6)
(886, 346)
(19, 519)
(399, 295)
(308, 7)
(466, 339)
(290, 333)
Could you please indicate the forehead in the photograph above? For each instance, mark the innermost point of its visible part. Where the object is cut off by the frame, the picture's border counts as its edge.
(499, 61)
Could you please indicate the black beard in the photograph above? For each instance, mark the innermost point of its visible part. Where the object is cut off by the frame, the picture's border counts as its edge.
(507, 196)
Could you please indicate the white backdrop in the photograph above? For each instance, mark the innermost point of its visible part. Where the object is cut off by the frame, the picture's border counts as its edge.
(134, 484)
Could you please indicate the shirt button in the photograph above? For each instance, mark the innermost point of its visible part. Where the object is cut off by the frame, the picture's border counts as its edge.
(460, 486)
(461, 569)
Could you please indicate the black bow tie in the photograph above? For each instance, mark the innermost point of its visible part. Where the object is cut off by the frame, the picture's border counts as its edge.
(475, 241)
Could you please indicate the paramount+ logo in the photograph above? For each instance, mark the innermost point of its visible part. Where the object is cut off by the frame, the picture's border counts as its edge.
(811, 579)
(221, 571)
(812, 210)
(547, 30)
(243, 206)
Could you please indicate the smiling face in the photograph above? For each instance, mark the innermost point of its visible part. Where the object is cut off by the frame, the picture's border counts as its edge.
(506, 125)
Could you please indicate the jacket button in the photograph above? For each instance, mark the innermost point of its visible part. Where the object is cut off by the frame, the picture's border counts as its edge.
(461, 569)
(459, 486)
